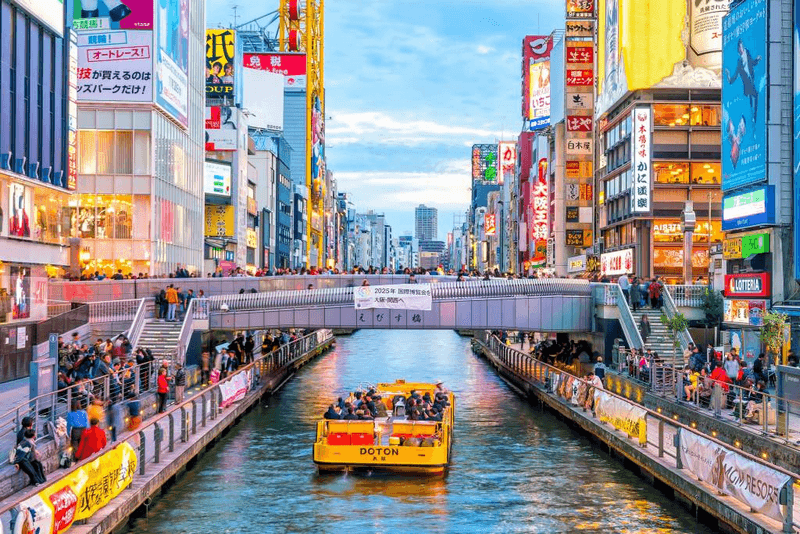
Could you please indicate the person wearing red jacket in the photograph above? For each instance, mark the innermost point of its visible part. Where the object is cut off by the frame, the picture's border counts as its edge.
(93, 440)
(719, 375)
(163, 389)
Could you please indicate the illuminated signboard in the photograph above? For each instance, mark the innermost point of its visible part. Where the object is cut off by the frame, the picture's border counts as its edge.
(579, 123)
(640, 197)
(580, 9)
(507, 152)
(752, 208)
(540, 204)
(745, 246)
(484, 163)
(576, 264)
(490, 224)
(217, 178)
(619, 262)
(747, 285)
(536, 80)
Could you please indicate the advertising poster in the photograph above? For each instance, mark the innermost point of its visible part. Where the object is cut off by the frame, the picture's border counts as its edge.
(580, 9)
(51, 12)
(317, 150)
(115, 66)
(19, 208)
(219, 221)
(744, 95)
(113, 15)
(220, 63)
(262, 97)
(21, 292)
(536, 51)
(172, 66)
(705, 31)
(291, 65)
(72, 113)
(396, 297)
(221, 130)
(484, 163)
(508, 160)
(217, 178)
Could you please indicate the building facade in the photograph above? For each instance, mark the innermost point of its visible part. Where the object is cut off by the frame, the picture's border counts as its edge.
(426, 223)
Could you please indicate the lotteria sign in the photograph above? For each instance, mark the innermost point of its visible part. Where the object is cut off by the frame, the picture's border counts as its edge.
(747, 285)
(753, 208)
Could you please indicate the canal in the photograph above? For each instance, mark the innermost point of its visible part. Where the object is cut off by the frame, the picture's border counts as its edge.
(515, 468)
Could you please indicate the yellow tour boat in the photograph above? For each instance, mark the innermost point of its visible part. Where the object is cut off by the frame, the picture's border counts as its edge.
(395, 443)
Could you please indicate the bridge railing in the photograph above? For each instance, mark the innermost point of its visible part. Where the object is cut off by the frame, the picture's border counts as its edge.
(671, 310)
(197, 311)
(665, 441)
(113, 310)
(687, 296)
(612, 295)
(439, 291)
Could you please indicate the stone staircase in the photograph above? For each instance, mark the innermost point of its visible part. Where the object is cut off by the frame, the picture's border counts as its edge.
(161, 338)
(660, 340)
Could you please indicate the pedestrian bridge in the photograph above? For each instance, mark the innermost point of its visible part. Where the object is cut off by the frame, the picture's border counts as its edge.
(547, 305)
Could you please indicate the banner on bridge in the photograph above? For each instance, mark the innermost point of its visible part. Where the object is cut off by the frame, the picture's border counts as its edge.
(751, 483)
(80, 494)
(622, 415)
(395, 297)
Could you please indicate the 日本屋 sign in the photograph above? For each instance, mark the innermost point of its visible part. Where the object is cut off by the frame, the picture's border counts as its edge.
(747, 285)
(396, 297)
(640, 197)
(115, 66)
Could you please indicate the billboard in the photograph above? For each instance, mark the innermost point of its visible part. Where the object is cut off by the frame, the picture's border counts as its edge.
(642, 175)
(113, 15)
(490, 224)
(72, 112)
(580, 9)
(220, 221)
(751, 208)
(19, 210)
(292, 66)
(217, 178)
(536, 50)
(49, 12)
(220, 60)
(507, 151)
(484, 163)
(172, 65)
(744, 95)
(221, 129)
(115, 66)
(263, 98)
(644, 44)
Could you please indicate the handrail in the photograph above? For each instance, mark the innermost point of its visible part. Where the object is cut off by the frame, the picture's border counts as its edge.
(532, 369)
(613, 295)
(690, 296)
(113, 310)
(198, 309)
(137, 325)
(189, 419)
(670, 309)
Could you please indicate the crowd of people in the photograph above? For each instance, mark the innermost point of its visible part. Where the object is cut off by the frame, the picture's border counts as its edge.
(369, 405)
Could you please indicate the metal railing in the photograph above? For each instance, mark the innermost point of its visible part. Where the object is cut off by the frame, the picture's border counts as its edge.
(198, 309)
(670, 309)
(612, 295)
(440, 291)
(57, 307)
(687, 296)
(60, 324)
(137, 324)
(177, 424)
(665, 441)
(113, 310)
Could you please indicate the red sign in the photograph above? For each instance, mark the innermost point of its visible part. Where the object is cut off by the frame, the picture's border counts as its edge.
(580, 77)
(747, 285)
(539, 204)
(507, 152)
(534, 48)
(490, 224)
(286, 64)
(65, 504)
(579, 123)
(582, 53)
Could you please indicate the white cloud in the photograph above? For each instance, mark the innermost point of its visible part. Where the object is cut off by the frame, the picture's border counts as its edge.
(483, 49)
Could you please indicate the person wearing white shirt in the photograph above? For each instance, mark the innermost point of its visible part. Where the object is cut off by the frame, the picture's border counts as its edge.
(625, 285)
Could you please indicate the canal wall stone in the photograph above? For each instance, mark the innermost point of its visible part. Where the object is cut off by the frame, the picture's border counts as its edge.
(684, 489)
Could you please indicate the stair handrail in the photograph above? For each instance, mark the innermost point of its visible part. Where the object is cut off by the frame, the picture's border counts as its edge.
(670, 310)
(137, 325)
(198, 309)
(612, 295)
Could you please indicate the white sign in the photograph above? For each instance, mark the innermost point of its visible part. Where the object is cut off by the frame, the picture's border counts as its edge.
(576, 264)
(397, 297)
(640, 197)
(235, 389)
(619, 262)
(705, 29)
(115, 66)
(579, 101)
(217, 178)
(579, 147)
(751, 483)
(263, 98)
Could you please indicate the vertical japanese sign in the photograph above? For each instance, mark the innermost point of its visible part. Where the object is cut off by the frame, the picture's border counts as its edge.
(540, 209)
(115, 66)
(507, 151)
(642, 130)
(536, 51)
(484, 163)
(72, 113)
(490, 224)
(172, 67)
(580, 9)
(744, 95)
(220, 63)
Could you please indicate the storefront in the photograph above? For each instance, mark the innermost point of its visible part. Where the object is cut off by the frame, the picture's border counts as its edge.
(746, 302)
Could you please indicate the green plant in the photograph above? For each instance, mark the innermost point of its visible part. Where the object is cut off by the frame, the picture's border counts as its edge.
(675, 324)
(772, 331)
(713, 307)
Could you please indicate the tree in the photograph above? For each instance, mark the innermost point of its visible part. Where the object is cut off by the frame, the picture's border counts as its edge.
(713, 307)
(772, 332)
(675, 324)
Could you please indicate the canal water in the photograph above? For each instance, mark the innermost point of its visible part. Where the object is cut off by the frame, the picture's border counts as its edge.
(515, 468)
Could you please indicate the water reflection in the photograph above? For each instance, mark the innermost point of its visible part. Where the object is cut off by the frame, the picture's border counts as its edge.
(514, 469)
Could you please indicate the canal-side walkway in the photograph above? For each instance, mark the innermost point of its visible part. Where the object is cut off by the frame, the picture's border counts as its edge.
(169, 443)
(655, 453)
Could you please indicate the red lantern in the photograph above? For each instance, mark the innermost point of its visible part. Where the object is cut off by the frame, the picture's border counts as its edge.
(294, 40)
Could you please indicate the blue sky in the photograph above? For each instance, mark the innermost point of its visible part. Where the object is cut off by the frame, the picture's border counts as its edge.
(411, 85)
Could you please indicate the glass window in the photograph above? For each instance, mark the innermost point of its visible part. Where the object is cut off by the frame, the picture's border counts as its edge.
(705, 115)
(670, 172)
(87, 152)
(52, 224)
(105, 151)
(706, 173)
(141, 153)
(124, 152)
(670, 114)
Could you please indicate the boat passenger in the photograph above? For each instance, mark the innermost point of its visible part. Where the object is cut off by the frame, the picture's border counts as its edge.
(364, 415)
(440, 387)
(334, 412)
(380, 407)
(340, 403)
(350, 415)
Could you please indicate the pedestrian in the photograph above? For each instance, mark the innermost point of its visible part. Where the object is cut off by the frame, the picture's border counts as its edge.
(654, 290)
(163, 389)
(625, 285)
(205, 367)
(644, 328)
(180, 382)
(172, 302)
(636, 293)
(93, 440)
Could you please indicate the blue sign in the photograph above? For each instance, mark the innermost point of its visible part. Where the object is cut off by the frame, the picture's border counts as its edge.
(797, 139)
(172, 58)
(744, 95)
(745, 209)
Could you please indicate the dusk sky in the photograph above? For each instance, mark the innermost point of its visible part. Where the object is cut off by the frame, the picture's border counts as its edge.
(411, 86)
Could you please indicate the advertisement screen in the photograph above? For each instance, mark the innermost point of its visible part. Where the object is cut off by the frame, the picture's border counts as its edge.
(115, 66)
(221, 130)
(217, 178)
(220, 61)
(21, 288)
(172, 67)
(536, 51)
(291, 65)
(19, 210)
(50, 12)
(744, 95)
(112, 14)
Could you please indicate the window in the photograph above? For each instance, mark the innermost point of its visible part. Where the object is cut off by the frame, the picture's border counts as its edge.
(87, 152)
(114, 152)
(706, 173)
(670, 172)
(670, 115)
(102, 216)
(705, 115)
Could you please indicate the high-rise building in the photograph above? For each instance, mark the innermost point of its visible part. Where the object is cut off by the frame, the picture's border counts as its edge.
(426, 222)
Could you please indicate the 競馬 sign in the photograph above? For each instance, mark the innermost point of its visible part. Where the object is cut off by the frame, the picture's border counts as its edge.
(396, 297)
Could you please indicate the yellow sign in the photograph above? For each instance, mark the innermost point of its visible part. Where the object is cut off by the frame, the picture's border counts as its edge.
(252, 238)
(252, 208)
(732, 248)
(220, 62)
(80, 494)
(220, 221)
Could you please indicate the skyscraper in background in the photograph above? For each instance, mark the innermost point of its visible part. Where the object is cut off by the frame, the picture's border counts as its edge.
(426, 222)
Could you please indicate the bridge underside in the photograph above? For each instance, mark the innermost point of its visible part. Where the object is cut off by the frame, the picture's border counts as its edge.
(537, 313)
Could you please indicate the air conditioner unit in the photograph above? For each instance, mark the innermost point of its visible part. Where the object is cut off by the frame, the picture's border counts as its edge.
(33, 170)
(19, 165)
(46, 174)
(5, 161)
